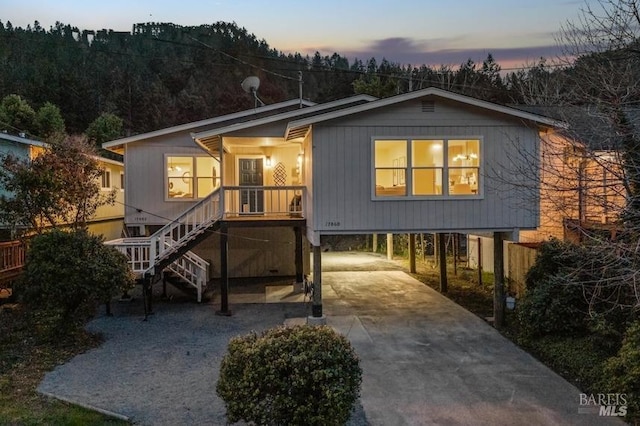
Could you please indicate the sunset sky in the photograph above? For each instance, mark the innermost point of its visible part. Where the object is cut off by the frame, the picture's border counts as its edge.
(403, 31)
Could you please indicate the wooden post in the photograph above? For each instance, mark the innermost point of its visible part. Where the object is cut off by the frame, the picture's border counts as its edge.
(316, 307)
(442, 255)
(498, 284)
(298, 255)
(224, 272)
(375, 243)
(480, 261)
(390, 246)
(435, 249)
(455, 254)
(412, 253)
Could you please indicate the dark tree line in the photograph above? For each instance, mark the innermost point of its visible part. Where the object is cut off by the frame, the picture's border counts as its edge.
(160, 75)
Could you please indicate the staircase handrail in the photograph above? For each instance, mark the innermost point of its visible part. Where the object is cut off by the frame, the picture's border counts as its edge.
(198, 217)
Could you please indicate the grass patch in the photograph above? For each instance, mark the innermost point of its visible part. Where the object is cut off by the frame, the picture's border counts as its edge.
(30, 346)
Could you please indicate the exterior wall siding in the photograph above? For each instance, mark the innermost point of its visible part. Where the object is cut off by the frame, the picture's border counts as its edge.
(254, 252)
(343, 165)
(116, 210)
(145, 179)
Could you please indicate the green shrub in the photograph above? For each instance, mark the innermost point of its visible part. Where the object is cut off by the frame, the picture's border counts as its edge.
(68, 273)
(622, 372)
(301, 375)
(553, 256)
(553, 306)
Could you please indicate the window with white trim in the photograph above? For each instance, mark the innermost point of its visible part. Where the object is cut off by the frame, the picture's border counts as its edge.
(190, 177)
(426, 167)
(122, 181)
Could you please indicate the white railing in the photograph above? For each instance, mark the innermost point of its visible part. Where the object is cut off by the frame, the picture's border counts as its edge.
(185, 227)
(264, 200)
(192, 269)
(143, 253)
(137, 251)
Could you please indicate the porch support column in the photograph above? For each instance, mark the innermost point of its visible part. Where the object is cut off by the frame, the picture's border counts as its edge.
(299, 263)
(412, 253)
(390, 246)
(224, 271)
(317, 318)
(374, 247)
(498, 286)
(442, 255)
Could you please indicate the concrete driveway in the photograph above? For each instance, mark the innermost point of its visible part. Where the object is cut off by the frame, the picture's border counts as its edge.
(425, 359)
(428, 361)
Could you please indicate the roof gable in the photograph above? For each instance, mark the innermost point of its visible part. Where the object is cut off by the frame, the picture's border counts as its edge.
(218, 121)
(213, 135)
(295, 127)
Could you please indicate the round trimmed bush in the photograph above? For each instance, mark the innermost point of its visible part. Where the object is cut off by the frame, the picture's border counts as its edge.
(302, 375)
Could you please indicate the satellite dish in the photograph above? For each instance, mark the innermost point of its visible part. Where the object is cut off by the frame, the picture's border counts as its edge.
(250, 84)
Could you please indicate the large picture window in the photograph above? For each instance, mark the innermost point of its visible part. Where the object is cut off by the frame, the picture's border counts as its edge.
(424, 167)
(190, 177)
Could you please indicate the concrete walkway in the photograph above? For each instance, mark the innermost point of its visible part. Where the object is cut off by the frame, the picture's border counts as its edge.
(425, 359)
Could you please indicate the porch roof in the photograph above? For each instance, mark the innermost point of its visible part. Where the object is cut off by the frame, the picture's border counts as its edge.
(210, 139)
(222, 120)
(302, 125)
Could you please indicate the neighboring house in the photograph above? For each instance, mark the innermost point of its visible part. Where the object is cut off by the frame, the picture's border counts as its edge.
(581, 190)
(108, 220)
(282, 176)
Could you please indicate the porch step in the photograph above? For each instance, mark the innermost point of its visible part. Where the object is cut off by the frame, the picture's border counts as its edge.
(185, 288)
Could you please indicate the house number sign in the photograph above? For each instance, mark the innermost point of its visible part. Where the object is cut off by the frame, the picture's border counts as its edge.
(332, 224)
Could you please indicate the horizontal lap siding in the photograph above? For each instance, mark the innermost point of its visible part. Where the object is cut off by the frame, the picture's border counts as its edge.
(343, 174)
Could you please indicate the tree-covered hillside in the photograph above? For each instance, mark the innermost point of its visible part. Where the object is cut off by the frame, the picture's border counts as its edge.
(161, 75)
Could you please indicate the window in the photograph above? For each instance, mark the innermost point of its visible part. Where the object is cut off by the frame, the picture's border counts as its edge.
(106, 179)
(121, 181)
(426, 167)
(191, 177)
(390, 160)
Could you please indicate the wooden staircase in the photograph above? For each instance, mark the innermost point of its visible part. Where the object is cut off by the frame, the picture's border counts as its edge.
(169, 247)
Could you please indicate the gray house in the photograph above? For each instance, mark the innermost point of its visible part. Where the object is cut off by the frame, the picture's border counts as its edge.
(246, 194)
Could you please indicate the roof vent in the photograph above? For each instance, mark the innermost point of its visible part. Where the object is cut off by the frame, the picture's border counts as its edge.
(428, 106)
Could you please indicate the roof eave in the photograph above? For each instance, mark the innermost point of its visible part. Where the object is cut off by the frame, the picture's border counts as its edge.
(422, 93)
(187, 126)
(279, 117)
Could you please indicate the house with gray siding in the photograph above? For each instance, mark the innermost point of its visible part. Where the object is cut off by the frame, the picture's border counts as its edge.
(247, 194)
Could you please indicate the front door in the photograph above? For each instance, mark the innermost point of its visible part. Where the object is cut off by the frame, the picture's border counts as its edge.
(251, 199)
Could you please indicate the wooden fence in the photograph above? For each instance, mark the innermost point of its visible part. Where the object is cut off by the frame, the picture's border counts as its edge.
(521, 258)
(11, 264)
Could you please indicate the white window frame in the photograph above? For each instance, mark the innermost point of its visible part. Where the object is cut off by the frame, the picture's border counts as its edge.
(445, 168)
(194, 177)
(121, 181)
